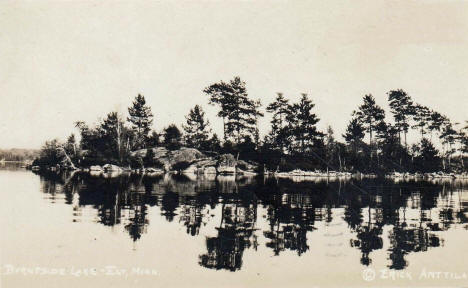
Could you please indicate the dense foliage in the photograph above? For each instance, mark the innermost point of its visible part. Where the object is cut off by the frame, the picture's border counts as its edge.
(371, 143)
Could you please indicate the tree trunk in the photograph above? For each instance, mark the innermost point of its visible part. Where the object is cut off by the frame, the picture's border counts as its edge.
(406, 145)
(444, 156)
(68, 158)
(339, 160)
(450, 156)
(224, 129)
(399, 136)
(302, 144)
(370, 143)
(119, 148)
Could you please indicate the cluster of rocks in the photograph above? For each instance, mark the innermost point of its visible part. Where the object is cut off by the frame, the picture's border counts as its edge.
(196, 162)
(184, 160)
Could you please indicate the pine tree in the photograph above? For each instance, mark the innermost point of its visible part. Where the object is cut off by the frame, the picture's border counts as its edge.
(354, 134)
(197, 128)
(422, 118)
(331, 148)
(172, 137)
(214, 144)
(302, 124)
(113, 136)
(390, 147)
(240, 114)
(141, 120)
(427, 159)
(447, 136)
(257, 115)
(381, 132)
(435, 122)
(463, 141)
(403, 109)
(279, 109)
(370, 115)
(220, 94)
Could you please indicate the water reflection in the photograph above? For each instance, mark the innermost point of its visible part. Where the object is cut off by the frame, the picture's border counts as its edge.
(411, 216)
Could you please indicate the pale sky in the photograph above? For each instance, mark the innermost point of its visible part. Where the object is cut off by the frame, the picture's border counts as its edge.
(65, 61)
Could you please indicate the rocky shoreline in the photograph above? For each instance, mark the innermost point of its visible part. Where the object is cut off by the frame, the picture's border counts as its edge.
(192, 162)
(180, 161)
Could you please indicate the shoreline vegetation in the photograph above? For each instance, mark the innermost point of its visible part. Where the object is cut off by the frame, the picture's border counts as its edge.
(294, 147)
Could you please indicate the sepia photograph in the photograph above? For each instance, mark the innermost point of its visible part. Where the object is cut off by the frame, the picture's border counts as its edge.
(233, 144)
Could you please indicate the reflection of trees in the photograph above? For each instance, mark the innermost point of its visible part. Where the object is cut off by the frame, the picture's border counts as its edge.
(192, 214)
(368, 239)
(106, 195)
(287, 237)
(117, 200)
(405, 239)
(169, 203)
(353, 216)
(291, 216)
(293, 208)
(137, 221)
(53, 185)
(413, 235)
(235, 234)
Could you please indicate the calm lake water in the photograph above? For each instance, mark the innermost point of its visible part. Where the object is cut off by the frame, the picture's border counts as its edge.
(82, 231)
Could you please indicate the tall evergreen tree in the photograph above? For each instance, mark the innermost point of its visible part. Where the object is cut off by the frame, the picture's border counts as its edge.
(280, 109)
(239, 113)
(354, 134)
(197, 128)
(402, 109)
(302, 124)
(422, 118)
(141, 120)
(463, 140)
(436, 121)
(333, 149)
(113, 137)
(447, 136)
(370, 115)
(427, 159)
(390, 148)
(381, 132)
(221, 95)
(257, 115)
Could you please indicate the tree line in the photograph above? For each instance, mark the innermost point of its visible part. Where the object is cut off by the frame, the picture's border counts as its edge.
(293, 142)
(18, 155)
